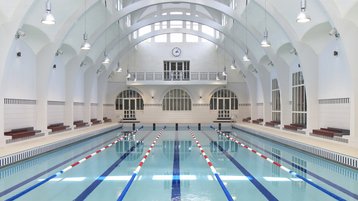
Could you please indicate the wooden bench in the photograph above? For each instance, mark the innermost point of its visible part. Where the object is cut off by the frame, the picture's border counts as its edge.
(294, 127)
(95, 121)
(326, 133)
(257, 121)
(272, 123)
(339, 130)
(247, 119)
(21, 132)
(80, 124)
(105, 119)
(57, 127)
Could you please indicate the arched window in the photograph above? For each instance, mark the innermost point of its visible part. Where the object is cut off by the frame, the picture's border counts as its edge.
(224, 99)
(177, 100)
(129, 100)
(276, 104)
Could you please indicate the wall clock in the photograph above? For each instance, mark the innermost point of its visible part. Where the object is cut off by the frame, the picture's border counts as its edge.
(176, 51)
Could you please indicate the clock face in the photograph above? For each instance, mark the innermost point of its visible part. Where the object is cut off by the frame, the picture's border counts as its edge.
(176, 51)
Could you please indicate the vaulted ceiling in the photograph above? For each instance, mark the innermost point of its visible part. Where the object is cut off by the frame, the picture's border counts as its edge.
(110, 25)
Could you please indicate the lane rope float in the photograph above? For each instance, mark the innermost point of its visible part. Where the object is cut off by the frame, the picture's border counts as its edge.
(136, 171)
(279, 165)
(27, 190)
(210, 164)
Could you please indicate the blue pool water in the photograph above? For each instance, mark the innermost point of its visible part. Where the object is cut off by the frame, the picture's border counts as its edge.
(175, 169)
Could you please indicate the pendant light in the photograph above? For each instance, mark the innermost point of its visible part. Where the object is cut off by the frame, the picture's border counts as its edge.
(303, 17)
(224, 72)
(85, 44)
(128, 74)
(106, 59)
(246, 58)
(233, 65)
(48, 18)
(265, 42)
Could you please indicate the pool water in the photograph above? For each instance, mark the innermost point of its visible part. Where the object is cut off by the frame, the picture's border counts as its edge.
(175, 169)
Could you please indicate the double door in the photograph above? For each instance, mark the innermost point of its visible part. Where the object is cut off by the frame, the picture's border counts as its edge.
(129, 108)
(223, 108)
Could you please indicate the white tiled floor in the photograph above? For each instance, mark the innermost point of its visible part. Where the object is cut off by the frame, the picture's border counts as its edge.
(334, 146)
(36, 142)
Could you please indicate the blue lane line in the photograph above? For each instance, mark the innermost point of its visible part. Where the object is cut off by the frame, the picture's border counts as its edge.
(340, 188)
(318, 187)
(176, 171)
(253, 180)
(9, 190)
(227, 193)
(125, 190)
(97, 182)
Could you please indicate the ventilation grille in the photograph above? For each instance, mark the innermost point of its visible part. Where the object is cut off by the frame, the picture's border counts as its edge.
(9, 101)
(334, 101)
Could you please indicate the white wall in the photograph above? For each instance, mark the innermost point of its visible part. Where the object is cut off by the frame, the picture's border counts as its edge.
(79, 88)
(93, 111)
(57, 80)
(149, 57)
(55, 113)
(109, 112)
(78, 112)
(334, 84)
(334, 115)
(20, 79)
(333, 74)
(19, 116)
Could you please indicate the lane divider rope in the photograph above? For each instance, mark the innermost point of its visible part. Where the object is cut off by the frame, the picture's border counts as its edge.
(279, 165)
(14, 187)
(324, 180)
(140, 165)
(27, 190)
(216, 174)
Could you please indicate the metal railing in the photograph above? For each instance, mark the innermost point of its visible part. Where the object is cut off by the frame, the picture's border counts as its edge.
(176, 76)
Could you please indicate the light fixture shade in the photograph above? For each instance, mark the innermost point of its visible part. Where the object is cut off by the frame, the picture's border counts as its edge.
(233, 65)
(303, 17)
(119, 70)
(265, 42)
(106, 59)
(217, 77)
(224, 73)
(48, 18)
(246, 58)
(129, 75)
(85, 45)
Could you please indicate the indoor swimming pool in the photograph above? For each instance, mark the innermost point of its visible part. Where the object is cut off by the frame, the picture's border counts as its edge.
(188, 165)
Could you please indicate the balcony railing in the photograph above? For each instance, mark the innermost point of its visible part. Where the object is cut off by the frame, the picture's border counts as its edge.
(177, 76)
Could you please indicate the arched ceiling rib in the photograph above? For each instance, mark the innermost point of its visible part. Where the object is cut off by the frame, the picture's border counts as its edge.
(281, 20)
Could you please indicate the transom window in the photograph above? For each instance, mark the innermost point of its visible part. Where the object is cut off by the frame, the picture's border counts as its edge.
(129, 100)
(224, 99)
(177, 100)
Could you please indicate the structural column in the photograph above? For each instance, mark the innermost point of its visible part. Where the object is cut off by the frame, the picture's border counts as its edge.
(2, 122)
(72, 69)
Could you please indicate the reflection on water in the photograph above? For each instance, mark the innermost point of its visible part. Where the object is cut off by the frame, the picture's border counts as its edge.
(129, 142)
(226, 144)
(185, 147)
